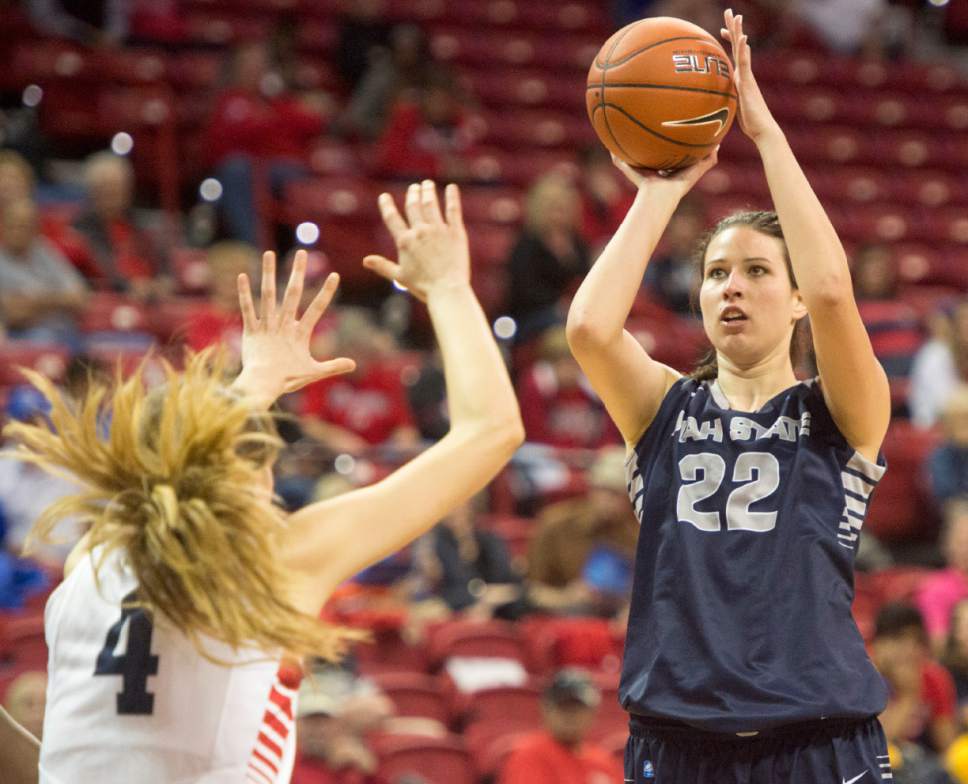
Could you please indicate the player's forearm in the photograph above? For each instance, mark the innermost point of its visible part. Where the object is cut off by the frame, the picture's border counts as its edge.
(479, 391)
(818, 257)
(603, 301)
(19, 752)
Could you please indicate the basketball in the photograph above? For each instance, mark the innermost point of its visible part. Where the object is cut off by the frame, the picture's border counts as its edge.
(660, 93)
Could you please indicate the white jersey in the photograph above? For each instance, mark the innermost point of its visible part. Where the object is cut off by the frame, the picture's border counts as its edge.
(130, 700)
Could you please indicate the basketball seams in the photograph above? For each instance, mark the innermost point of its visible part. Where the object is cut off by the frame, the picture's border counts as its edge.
(677, 88)
(601, 105)
(646, 128)
(609, 64)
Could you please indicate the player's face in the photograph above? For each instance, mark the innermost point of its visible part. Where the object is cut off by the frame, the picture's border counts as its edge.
(748, 303)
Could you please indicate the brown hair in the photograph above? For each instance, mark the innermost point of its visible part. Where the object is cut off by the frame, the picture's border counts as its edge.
(766, 222)
(172, 486)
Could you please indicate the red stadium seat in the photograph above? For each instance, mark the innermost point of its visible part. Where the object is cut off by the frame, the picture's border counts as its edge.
(417, 694)
(491, 743)
(500, 702)
(107, 312)
(901, 509)
(477, 639)
(434, 760)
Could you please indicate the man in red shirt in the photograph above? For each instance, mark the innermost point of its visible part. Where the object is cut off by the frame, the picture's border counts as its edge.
(368, 406)
(558, 754)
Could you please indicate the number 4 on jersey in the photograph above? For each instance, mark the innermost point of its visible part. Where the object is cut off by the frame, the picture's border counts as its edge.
(135, 665)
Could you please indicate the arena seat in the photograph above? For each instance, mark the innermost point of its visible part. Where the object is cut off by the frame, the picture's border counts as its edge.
(417, 694)
(434, 760)
(491, 743)
(901, 509)
(47, 359)
(461, 637)
(500, 702)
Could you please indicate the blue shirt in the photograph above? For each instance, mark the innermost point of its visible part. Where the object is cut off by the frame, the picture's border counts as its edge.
(740, 616)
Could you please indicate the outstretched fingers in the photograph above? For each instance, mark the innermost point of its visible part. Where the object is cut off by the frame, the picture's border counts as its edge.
(267, 294)
(392, 218)
(412, 206)
(452, 206)
(249, 319)
(429, 206)
(382, 266)
(319, 304)
(294, 289)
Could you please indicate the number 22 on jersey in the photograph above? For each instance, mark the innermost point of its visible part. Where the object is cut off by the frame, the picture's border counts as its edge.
(135, 664)
(757, 475)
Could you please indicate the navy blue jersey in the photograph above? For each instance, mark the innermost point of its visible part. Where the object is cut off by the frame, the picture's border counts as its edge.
(740, 617)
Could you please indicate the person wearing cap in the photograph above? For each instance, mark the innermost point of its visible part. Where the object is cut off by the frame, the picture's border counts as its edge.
(558, 405)
(559, 753)
(334, 711)
(569, 532)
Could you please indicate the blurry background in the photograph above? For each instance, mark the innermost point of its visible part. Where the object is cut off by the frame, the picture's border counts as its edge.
(152, 148)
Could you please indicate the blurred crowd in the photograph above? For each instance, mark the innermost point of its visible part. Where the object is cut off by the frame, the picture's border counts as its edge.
(93, 272)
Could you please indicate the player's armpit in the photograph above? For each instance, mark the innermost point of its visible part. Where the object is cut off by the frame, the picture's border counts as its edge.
(630, 383)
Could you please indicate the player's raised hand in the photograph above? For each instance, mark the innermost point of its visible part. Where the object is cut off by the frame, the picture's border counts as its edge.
(680, 180)
(755, 117)
(275, 341)
(432, 249)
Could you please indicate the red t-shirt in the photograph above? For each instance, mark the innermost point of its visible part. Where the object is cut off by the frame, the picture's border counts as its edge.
(369, 402)
(567, 418)
(938, 691)
(248, 124)
(540, 759)
(210, 327)
(411, 147)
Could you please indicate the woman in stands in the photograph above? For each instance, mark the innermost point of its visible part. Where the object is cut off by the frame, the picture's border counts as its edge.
(167, 633)
(742, 660)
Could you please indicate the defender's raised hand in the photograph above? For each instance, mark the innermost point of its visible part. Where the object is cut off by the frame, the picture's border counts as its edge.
(432, 249)
(755, 117)
(275, 341)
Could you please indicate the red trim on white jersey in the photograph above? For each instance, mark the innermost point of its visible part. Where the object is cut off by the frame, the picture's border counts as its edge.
(275, 733)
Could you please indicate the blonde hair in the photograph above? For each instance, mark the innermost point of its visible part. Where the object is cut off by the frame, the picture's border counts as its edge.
(545, 190)
(172, 486)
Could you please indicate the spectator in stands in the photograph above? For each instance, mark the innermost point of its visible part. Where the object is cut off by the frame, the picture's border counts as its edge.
(428, 133)
(17, 179)
(558, 405)
(124, 253)
(672, 276)
(220, 322)
(942, 590)
(850, 27)
(257, 134)
(571, 533)
(26, 490)
(335, 711)
(604, 197)
(874, 273)
(95, 23)
(25, 700)
(368, 406)
(954, 656)
(560, 753)
(549, 256)
(923, 702)
(41, 294)
(947, 465)
(470, 568)
(427, 396)
(362, 33)
(940, 366)
(408, 65)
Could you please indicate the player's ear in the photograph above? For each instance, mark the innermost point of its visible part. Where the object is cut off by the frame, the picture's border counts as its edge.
(799, 309)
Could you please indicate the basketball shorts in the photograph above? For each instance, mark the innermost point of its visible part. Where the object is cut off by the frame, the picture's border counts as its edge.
(830, 751)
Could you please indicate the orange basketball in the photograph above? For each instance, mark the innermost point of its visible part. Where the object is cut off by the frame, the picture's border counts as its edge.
(660, 93)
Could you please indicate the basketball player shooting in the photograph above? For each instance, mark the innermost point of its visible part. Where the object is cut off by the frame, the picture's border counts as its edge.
(743, 664)
(177, 606)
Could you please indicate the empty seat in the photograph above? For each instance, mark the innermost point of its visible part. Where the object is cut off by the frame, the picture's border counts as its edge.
(434, 760)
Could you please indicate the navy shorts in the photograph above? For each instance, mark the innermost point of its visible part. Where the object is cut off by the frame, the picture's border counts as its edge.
(831, 751)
